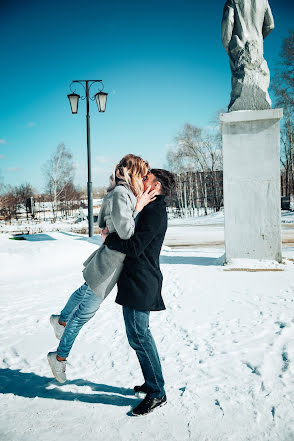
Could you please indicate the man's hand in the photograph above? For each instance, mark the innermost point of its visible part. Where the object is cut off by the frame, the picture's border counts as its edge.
(145, 198)
(104, 233)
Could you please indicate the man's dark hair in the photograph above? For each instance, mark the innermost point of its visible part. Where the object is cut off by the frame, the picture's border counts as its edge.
(166, 178)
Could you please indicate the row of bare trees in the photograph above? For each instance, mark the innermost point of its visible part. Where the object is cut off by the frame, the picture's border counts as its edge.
(61, 194)
(13, 200)
(196, 155)
(23, 200)
(196, 158)
(58, 172)
(283, 88)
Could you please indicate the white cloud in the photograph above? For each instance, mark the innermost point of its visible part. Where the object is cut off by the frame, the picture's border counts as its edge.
(100, 175)
(12, 169)
(2, 141)
(109, 160)
(2, 157)
(30, 124)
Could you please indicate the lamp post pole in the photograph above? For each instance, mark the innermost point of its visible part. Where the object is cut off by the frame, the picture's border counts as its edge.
(101, 98)
(89, 184)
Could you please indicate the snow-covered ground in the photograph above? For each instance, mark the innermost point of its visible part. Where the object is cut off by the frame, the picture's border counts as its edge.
(194, 234)
(218, 218)
(226, 344)
(207, 231)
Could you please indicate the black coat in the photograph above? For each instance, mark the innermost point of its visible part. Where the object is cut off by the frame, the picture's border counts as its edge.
(139, 285)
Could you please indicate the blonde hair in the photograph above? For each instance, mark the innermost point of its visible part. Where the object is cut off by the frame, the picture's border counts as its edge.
(131, 169)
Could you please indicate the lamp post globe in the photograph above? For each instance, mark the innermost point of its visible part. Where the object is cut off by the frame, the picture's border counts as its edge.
(101, 98)
(74, 102)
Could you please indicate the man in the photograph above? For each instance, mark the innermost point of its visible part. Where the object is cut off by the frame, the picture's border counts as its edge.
(139, 287)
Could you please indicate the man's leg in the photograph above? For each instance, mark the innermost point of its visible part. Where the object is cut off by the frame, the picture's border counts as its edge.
(141, 340)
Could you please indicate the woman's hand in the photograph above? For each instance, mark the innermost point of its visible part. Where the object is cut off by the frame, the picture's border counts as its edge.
(104, 233)
(145, 198)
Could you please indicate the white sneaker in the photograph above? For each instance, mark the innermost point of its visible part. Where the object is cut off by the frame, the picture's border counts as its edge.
(57, 367)
(58, 328)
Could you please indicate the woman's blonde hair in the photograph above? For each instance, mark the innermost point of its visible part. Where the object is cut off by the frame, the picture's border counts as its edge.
(131, 169)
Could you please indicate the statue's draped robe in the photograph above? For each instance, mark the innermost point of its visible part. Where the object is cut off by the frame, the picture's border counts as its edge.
(245, 24)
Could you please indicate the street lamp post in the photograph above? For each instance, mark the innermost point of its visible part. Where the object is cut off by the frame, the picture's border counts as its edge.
(101, 98)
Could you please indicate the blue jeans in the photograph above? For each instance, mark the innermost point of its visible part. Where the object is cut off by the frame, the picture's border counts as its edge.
(141, 340)
(80, 308)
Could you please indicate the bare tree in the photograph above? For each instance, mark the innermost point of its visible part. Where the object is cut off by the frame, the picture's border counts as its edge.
(9, 203)
(13, 200)
(69, 199)
(196, 150)
(283, 87)
(1, 183)
(287, 152)
(99, 192)
(23, 192)
(283, 79)
(59, 173)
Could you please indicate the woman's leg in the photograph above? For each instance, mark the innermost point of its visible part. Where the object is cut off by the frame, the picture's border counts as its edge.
(72, 303)
(83, 313)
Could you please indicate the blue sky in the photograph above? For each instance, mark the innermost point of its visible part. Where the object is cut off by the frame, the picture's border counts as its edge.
(161, 61)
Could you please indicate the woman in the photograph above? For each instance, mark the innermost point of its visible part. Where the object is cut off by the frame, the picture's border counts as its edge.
(120, 207)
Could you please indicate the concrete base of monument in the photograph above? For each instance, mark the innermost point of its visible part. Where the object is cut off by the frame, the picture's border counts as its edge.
(253, 265)
(252, 198)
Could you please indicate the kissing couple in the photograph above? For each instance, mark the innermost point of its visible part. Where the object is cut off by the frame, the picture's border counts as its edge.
(133, 220)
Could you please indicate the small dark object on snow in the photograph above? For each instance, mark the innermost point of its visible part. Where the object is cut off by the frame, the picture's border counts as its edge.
(17, 237)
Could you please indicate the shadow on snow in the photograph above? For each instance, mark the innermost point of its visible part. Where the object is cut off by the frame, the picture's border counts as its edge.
(33, 237)
(96, 239)
(30, 385)
(190, 260)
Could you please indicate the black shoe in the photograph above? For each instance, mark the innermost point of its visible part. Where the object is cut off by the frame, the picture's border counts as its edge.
(142, 388)
(148, 405)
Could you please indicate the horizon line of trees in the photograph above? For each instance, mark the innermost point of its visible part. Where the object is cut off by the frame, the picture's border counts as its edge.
(60, 191)
(196, 159)
(282, 85)
(15, 202)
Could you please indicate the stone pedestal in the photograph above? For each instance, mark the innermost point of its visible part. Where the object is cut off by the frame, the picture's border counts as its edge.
(252, 198)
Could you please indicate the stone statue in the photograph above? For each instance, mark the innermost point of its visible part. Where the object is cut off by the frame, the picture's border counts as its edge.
(245, 24)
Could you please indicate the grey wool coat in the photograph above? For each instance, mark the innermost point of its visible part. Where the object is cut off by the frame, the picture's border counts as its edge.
(103, 267)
